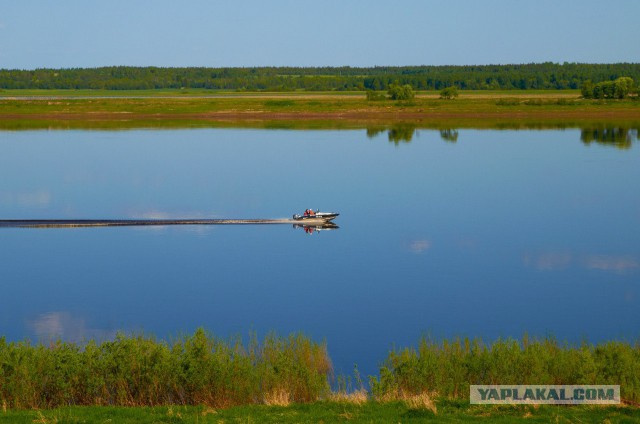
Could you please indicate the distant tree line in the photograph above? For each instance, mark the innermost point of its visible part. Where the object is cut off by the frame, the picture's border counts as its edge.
(509, 77)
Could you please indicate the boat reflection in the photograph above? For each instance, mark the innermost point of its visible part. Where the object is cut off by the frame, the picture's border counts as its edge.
(310, 229)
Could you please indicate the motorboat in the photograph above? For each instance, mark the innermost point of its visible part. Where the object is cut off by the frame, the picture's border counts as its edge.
(311, 215)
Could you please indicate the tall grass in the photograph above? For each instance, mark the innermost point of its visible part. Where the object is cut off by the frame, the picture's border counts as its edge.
(140, 371)
(448, 368)
(201, 369)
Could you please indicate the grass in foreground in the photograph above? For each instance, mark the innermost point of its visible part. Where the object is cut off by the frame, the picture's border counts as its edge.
(140, 371)
(201, 369)
(329, 412)
(450, 367)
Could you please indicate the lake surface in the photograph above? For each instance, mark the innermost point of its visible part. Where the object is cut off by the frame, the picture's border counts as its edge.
(472, 233)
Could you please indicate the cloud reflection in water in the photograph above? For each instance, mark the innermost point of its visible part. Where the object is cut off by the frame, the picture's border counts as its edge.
(67, 327)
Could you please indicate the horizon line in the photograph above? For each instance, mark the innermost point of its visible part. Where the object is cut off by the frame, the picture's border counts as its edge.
(321, 66)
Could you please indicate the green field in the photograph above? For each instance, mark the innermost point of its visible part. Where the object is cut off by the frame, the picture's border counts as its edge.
(444, 411)
(29, 109)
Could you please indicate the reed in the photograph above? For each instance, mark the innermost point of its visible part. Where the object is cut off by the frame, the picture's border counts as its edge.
(201, 369)
(359, 397)
(450, 367)
(198, 369)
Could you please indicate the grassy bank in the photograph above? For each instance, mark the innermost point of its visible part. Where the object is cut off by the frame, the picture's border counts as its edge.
(201, 369)
(446, 411)
(491, 106)
(495, 110)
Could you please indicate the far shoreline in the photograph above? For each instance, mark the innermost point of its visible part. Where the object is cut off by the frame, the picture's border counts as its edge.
(88, 108)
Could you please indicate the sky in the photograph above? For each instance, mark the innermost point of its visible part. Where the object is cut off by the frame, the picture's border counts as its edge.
(81, 33)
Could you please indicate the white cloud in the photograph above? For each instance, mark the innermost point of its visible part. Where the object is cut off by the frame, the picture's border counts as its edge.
(419, 246)
(619, 264)
(154, 215)
(28, 199)
(38, 198)
(547, 261)
(67, 327)
(551, 261)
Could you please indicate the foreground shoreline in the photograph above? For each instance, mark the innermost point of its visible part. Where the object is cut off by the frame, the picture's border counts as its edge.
(442, 410)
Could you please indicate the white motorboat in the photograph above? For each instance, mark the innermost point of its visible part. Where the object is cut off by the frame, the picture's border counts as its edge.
(311, 215)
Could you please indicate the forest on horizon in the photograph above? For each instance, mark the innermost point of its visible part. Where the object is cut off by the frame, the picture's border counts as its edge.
(550, 76)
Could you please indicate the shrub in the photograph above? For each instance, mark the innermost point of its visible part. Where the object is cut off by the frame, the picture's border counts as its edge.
(618, 89)
(449, 93)
(401, 92)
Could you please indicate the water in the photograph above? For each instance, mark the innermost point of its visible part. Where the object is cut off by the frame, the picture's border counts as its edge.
(493, 235)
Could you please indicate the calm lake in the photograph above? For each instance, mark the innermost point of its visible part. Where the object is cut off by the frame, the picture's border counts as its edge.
(489, 233)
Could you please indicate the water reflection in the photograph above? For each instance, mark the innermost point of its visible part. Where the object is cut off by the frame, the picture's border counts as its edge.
(449, 135)
(617, 136)
(547, 261)
(311, 229)
(419, 246)
(620, 137)
(618, 264)
(66, 326)
(480, 238)
(401, 133)
(561, 260)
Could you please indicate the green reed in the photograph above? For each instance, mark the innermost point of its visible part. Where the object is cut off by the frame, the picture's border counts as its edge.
(140, 371)
(201, 369)
(447, 368)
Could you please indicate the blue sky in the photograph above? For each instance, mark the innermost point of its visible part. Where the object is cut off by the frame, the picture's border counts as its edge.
(81, 33)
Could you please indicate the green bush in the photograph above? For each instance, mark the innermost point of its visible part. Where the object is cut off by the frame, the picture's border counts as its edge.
(618, 89)
(449, 93)
(401, 92)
